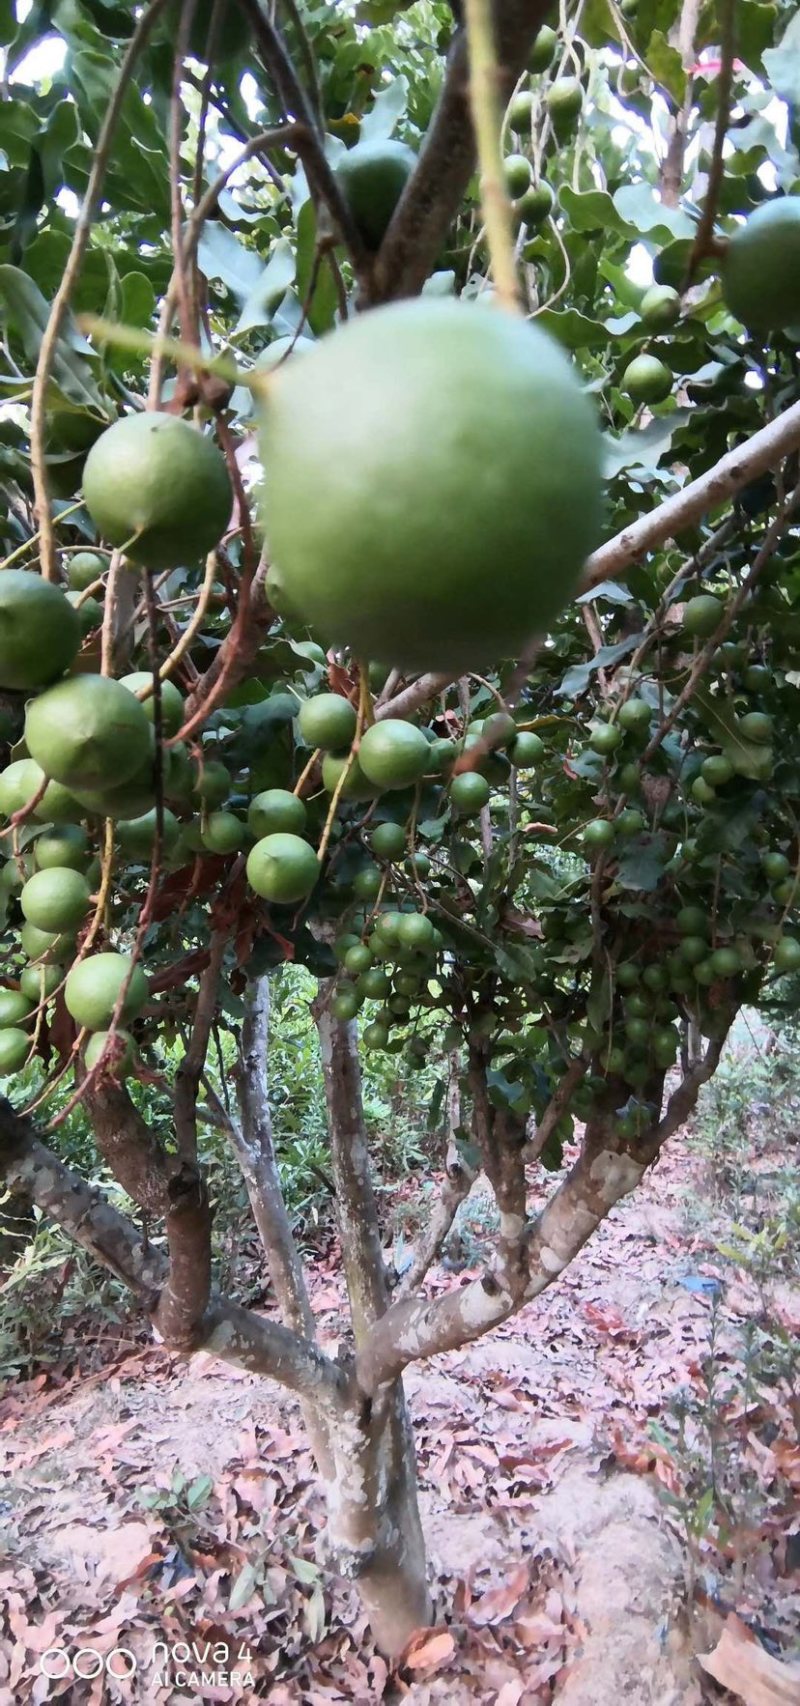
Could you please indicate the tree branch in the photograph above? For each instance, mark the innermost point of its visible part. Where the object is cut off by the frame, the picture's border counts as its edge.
(355, 1199)
(184, 1297)
(228, 1331)
(190, 1071)
(434, 193)
(253, 1144)
(128, 1145)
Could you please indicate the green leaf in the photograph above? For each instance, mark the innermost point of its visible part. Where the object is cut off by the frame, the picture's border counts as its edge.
(642, 447)
(746, 755)
(321, 313)
(243, 1587)
(591, 210)
(221, 256)
(608, 590)
(666, 65)
(305, 1571)
(640, 207)
(641, 865)
(573, 329)
(199, 1492)
(782, 64)
(26, 313)
(269, 290)
(577, 679)
(387, 108)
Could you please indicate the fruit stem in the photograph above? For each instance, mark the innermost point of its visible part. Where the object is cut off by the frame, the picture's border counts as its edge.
(184, 355)
(35, 537)
(484, 81)
(364, 707)
(305, 773)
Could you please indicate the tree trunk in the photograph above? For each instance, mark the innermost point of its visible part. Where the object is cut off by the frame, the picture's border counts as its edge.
(17, 1224)
(374, 1525)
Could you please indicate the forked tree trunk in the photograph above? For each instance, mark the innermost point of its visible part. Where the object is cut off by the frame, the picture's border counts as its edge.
(374, 1526)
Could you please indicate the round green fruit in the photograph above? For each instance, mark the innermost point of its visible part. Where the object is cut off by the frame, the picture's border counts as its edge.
(726, 962)
(388, 841)
(212, 783)
(155, 485)
(119, 1050)
(775, 866)
(517, 174)
(133, 799)
(660, 307)
(628, 974)
(716, 770)
(526, 750)
(55, 900)
(520, 114)
(88, 611)
(692, 921)
(39, 631)
(328, 721)
(536, 205)
(345, 1003)
(38, 983)
(761, 267)
(88, 733)
(45, 947)
(84, 568)
(343, 944)
(701, 792)
(282, 868)
(702, 615)
(693, 950)
(357, 786)
(597, 834)
(786, 954)
(630, 822)
(18, 784)
(223, 832)
(14, 1050)
(542, 53)
(412, 447)
(469, 793)
(605, 738)
(94, 986)
(67, 845)
(756, 677)
(358, 959)
(372, 177)
(171, 699)
(374, 1036)
(564, 102)
(374, 984)
(367, 882)
(15, 1008)
(647, 380)
(393, 754)
(634, 714)
(275, 811)
(415, 930)
(756, 726)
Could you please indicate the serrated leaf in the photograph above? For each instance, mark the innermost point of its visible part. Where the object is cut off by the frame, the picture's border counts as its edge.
(640, 207)
(641, 865)
(26, 312)
(572, 329)
(268, 291)
(666, 65)
(387, 108)
(577, 679)
(782, 64)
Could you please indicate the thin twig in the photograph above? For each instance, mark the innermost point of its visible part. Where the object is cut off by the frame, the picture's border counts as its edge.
(69, 277)
(704, 240)
(484, 84)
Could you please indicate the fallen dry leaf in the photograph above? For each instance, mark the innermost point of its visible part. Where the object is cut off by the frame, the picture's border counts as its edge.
(739, 1663)
(431, 1653)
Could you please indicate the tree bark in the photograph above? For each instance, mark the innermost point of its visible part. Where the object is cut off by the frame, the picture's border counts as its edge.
(356, 1208)
(16, 1226)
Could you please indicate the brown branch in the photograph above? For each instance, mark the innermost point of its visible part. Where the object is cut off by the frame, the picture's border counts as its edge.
(356, 1208)
(322, 180)
(232, 661)
(189, 1073)
(456, 1186)
(236, 1335)
(704, 240)
(184, 1297)
(128, 1145)
(435, 191)
(253, 1145)
(672, 168)
(558, 1105)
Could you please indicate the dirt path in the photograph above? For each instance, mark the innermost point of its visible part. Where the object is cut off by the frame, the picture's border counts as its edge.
(158, 1502)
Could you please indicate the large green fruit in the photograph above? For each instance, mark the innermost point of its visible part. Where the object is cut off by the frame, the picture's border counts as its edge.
(393, 754)
(597, 834)
(160, 488)
(647, 380)
(120, 1058)
(14, 1008)
(372, 177)
(18, 784)
(45, 947)
(38, 983)
(520, 113)
(84, 568)
(328, 720)
(55, 900)
(412, 453)
(564, 101)
(660, 307)
(39, 631)
(171, 699)
(131, 800)
(93, 988)
(14, 1048)
(761, 268)
(786, 954)
(223, 833)
(357, 785)
(282, 868)
(68, 845)
(88, 732)
(87, 610)
(388, 841)
(526, 750)
(275, 810)
(543, 50)
(702, 615)
(212, 783)
(517, 174)
(469, 793)
(535, 205)
(137, 835)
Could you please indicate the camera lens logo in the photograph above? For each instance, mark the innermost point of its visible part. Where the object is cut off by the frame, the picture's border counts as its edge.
(86, 1664)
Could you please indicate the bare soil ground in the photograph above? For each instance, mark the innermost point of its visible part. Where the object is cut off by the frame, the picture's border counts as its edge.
(156, 1502)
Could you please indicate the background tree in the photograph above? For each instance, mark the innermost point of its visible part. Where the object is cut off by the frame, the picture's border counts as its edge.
(564, 876)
